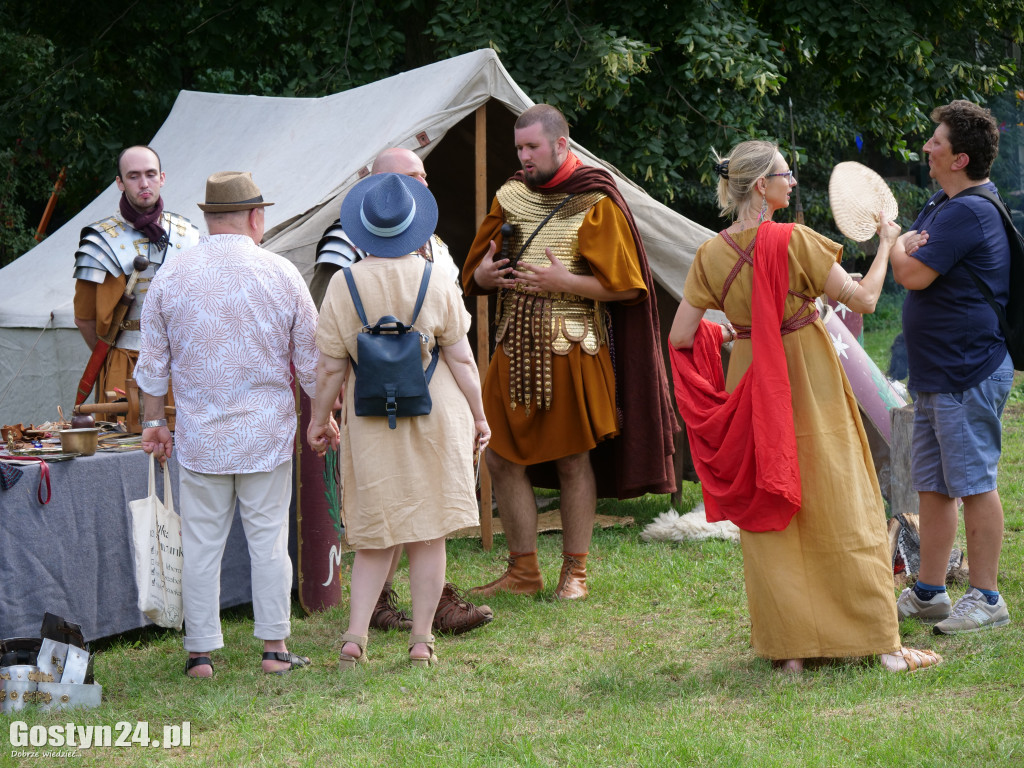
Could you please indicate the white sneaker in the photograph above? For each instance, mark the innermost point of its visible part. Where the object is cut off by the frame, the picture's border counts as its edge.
(972, 613)
(909, 605)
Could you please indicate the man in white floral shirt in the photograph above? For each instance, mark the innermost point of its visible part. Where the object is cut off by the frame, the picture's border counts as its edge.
(226, 319)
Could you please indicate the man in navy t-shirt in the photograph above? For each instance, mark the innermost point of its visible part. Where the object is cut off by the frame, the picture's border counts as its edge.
(959, 369)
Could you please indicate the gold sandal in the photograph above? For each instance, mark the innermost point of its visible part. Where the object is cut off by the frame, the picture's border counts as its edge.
(914, 659)
(427, 640)
(349, 662)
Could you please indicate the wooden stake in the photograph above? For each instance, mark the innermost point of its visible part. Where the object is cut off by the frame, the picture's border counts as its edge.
(483, 329)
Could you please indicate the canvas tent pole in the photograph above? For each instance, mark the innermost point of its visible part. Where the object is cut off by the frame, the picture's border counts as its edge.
(483, 331)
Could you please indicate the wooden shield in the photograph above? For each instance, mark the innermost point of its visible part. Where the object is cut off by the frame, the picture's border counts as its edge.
(852, 320)
(875, 393)
(318, 518)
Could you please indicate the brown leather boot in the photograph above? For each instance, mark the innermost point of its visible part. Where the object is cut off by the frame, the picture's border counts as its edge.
(522, 577)
(455, 614)
(386, 614)
(572, 584)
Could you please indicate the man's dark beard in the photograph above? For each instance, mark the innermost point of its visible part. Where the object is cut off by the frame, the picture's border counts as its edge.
(541, 178)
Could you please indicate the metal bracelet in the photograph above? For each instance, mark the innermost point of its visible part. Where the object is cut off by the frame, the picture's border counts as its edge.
(154, 423)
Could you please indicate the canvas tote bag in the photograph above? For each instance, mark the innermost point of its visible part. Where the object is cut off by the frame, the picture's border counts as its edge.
(156, 535)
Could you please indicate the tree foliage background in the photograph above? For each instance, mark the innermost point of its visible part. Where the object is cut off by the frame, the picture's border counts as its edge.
(650, 85)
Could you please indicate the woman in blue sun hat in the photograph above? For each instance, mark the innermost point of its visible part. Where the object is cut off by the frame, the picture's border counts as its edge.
(413, 484)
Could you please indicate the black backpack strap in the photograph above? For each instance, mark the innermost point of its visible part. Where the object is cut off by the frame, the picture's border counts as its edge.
(1011, 231)
(355, 296)
(991, 299)
(419, 297)
(979, 191)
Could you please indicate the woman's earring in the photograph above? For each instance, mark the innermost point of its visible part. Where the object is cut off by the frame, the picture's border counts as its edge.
(764, 209)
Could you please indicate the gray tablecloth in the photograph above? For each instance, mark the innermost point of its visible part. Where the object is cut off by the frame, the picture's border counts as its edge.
(73, 557)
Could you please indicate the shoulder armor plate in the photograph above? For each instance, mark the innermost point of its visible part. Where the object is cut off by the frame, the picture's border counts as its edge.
(335, 248)
(114, 244)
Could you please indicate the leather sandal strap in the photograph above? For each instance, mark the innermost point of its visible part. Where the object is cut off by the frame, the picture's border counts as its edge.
(917, 658)
(427, 640)
(197, 661)
(287, 656)
(359, 640)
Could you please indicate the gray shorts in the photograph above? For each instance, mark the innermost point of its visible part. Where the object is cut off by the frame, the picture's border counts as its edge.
(958, 437)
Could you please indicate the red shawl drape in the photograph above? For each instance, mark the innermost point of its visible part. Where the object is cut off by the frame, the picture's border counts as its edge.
(743, 443)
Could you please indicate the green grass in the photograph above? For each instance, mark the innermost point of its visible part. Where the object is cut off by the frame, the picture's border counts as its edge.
(655, 669)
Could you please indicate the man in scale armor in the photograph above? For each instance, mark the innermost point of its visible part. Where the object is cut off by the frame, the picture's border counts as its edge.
(104, 263)
(576, 393)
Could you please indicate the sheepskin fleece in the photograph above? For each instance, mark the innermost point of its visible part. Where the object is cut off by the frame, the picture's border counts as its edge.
(693, 526)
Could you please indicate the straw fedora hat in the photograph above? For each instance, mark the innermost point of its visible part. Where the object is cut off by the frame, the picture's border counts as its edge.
(231, 191)
(389, 215)
(857, 194)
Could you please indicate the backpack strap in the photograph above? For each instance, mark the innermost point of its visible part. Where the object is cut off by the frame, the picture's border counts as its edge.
(355, 297)
(979, 191)
(416, 313)
(1011, 231)
(423, 291)
(991, 299)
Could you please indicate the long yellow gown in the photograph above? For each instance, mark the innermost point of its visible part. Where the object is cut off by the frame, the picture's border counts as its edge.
(823, 587)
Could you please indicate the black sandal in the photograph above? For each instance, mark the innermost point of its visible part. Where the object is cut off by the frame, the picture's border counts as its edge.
(197, 661)
(288, 656)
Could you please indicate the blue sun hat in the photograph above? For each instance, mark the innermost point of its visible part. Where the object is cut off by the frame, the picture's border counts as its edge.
(389, 215)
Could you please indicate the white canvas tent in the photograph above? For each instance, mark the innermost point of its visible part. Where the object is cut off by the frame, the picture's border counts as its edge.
(304, 154)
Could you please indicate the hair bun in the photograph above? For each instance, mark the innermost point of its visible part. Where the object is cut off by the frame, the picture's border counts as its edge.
(722, 169)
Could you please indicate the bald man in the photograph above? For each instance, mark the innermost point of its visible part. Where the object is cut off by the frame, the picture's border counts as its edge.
(103, 263)
(455, 614)
(335, 250)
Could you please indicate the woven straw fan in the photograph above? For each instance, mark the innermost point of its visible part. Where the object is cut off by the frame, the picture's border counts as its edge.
(856, 194)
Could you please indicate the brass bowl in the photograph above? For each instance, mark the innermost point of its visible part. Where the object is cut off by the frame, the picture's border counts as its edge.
(81, 441)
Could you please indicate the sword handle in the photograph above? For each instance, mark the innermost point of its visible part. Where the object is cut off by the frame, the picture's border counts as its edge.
(140, 264)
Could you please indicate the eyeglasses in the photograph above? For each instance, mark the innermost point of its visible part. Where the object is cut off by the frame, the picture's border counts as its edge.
(787, 174)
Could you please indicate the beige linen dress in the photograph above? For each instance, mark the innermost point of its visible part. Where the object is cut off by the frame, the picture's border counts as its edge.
(822, 587)
(416, 482)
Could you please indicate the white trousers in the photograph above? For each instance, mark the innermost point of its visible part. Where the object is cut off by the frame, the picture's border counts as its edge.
(207, 504)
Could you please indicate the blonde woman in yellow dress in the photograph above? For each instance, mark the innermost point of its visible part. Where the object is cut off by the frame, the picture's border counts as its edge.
(815, 554)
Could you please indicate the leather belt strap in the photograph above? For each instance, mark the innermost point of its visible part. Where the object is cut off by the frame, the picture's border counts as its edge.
(130, 325)
(794, 323)
(515, 262)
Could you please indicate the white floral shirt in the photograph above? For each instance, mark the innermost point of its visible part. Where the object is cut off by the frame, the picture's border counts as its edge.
(225, 320)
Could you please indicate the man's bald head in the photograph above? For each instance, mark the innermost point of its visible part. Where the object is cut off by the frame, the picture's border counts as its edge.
(403, 161)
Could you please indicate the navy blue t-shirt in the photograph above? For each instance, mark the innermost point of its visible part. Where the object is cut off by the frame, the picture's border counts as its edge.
(953, 337)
